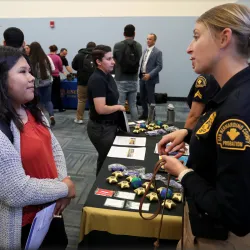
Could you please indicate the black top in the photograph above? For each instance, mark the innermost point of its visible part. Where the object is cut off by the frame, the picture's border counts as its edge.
(102, 85)
(220, 156)
(203, 89)
(79, 65)
(64, 60)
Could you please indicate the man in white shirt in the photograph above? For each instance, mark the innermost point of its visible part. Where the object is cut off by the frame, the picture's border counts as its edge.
(151, 65)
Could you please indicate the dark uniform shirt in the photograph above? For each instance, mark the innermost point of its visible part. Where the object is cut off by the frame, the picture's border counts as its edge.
(220, 156)
(64, 60)
(102, 85)
(203, 89)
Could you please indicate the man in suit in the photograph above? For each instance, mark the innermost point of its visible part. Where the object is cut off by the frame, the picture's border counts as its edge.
(151, 65)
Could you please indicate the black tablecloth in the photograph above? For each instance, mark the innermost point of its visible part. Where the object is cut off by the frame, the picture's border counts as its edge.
(98, 201)
(149, 162)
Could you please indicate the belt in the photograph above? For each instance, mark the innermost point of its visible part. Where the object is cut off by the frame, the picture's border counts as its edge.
(106, 122)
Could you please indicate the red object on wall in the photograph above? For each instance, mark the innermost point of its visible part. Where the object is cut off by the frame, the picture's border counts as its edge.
(52, 24)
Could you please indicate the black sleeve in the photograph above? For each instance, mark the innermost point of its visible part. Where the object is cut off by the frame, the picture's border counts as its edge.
(118, 51)
(75, 64)
(139, 47)
(227, 200)
(66, 63)
(97, 87)
(188, 136)
(199, 89)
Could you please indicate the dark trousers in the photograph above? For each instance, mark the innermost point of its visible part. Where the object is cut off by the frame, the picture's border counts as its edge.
(102, 137)
(147, 95)
(56, 93)
(45, 99)
(56, 237)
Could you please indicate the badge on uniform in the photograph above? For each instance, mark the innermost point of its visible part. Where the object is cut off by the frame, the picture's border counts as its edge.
(233, 134)
(207, 125)
(201, 82)
(198, 94)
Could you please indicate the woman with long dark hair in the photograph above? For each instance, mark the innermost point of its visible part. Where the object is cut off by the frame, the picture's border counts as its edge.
(42, 67)
(33, 171)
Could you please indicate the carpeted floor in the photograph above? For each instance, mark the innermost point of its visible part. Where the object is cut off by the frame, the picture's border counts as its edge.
(81, 158)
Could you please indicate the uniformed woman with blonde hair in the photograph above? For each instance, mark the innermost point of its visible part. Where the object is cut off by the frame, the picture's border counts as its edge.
(217, 180)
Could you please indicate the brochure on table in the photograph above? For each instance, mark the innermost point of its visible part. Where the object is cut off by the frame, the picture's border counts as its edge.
(127, 153)
(130, 141)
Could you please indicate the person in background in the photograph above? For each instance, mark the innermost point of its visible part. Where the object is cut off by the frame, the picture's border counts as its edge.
(216, 179)
(63, 53)
(103, 98)
(203, 90)
(84, 65)
(27, 49)
(42, 67)
(150, 66)
(126, 69)
(14, 37)
(33, 171)
(56, 86)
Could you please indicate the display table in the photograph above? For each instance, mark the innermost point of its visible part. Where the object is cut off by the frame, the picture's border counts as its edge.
(112, 225)
(69, 94)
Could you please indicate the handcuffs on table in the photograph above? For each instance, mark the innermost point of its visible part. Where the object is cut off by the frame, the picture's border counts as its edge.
(157, 167)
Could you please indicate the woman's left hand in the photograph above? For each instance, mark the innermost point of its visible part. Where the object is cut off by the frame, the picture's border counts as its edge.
(173, 166)
(61, 204)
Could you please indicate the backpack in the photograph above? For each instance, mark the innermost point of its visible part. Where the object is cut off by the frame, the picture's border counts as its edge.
(88, 64)
(130, 59)
(5, 128)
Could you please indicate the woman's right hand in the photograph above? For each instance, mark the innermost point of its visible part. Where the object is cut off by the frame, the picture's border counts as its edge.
(71, 187)
(177, 142)
(121, 108)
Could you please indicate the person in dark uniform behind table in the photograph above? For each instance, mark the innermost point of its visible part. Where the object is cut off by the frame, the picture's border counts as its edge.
(203, 89)
(216, 182)
(63, 53)
(103, 98)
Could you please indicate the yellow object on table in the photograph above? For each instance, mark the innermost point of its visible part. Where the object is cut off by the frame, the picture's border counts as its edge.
(112, 179)
(145, 185)
(152, 196)
(169, 204)
(108, 220)
(117, 174)
(140, 191)
(177, 197)
(124, 184)
(130, 178)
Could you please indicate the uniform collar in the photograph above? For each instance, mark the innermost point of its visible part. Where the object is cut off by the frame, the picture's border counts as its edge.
(231, 84)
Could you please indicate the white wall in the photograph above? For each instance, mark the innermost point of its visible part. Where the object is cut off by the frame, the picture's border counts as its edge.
(102, 21)
(105, 8)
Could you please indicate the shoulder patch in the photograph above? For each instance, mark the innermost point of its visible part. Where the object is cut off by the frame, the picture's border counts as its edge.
(233, 134)
(198, 93)
(201, 82)
(207, 125)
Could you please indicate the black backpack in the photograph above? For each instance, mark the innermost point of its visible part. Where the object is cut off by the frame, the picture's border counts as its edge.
(5, 128)
(130, 58)
(88, 64)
